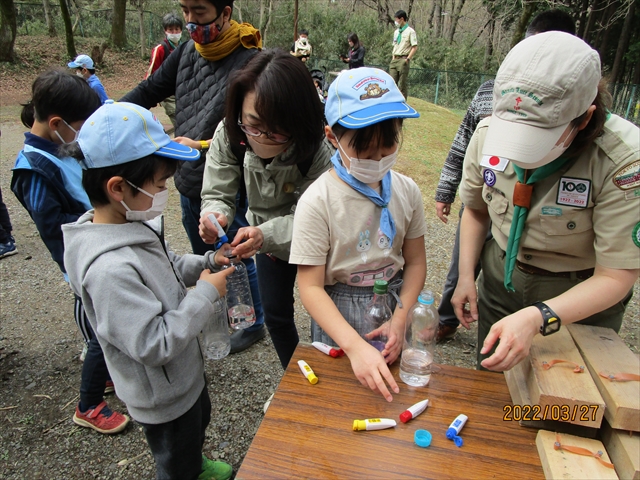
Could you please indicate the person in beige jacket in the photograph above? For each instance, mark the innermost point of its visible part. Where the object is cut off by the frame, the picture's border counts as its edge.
(275, 152)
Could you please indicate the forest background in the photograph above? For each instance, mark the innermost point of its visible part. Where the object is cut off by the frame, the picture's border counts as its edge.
(461, 42)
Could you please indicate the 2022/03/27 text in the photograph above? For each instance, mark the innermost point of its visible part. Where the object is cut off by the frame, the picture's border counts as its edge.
(562, 413)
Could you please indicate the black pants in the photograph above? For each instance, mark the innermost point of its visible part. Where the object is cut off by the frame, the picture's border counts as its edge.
(177, 445)
(276, 280)
(5, 222)
(94, 368)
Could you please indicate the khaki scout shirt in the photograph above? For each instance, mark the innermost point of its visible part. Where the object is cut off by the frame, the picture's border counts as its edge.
(408, 39)
(587, 212)
(270, 207)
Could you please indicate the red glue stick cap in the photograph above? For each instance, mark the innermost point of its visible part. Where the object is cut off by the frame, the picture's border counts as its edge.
(405, 416)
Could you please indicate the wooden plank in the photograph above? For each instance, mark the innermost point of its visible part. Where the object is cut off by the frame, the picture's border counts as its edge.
(566, 465)
(516, 379)
(562, 394)
(624, 450)
(604, 351)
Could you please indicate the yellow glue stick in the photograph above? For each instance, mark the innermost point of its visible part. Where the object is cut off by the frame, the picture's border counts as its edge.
(307, 372)
(373, 424)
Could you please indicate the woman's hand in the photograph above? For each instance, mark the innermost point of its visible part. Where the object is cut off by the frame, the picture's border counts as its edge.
(247, 242)
(516, 333)
(208, 232)
(371, 370)
(464, 293)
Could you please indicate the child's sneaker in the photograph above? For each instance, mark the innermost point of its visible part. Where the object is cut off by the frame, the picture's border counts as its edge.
(109, 387)
(101, 418)
(212, 470)
(8, 249)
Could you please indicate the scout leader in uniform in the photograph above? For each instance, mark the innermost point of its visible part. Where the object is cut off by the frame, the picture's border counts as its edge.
(558, 177)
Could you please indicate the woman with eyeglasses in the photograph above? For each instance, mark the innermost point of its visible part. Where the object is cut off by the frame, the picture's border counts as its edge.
(270, 144)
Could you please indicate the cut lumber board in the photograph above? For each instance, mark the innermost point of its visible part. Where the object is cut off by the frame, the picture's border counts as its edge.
(604, 351)
(517, 384)
(566, 465)
(562, 394)
(624, 449)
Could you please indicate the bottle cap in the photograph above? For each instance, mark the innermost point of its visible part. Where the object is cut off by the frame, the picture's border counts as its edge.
(359, 425)
(380, 286)
(451, 432)
(425, 297)
(406, 416)
(422, 438)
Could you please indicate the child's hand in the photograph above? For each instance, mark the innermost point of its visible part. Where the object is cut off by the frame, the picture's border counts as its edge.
(220, 256)
(370, 368)
(393, 347)
(218, 280)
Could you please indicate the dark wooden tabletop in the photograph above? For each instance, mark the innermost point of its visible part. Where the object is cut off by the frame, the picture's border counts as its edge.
(307, 431)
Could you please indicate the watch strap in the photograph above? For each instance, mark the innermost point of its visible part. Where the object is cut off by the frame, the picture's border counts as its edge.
(548, 317)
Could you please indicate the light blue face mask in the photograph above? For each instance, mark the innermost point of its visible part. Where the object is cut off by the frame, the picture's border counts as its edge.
(72, 129)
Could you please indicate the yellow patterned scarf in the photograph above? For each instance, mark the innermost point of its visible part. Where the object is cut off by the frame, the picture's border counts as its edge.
(237, 34)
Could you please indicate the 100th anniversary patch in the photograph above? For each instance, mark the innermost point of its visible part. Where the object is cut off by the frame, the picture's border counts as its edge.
(574, 192)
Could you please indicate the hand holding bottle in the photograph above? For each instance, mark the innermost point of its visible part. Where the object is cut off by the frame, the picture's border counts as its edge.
(218, 280)
(247, 242)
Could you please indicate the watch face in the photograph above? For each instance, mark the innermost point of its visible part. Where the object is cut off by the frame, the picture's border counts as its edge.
(553, 325)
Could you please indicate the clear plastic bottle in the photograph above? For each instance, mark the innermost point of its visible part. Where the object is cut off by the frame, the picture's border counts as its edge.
(215, 334)
(419, 341)
(378, 313)
(239, 301)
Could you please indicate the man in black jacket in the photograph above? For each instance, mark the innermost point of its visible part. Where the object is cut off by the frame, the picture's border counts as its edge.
(196, 72)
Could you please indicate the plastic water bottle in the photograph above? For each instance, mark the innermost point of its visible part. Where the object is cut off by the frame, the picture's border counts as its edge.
(378, 313)
(419, 341)
(239, 301)
(215, 334)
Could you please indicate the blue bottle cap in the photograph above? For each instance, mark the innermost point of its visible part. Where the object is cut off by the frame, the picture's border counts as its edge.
(422, 438)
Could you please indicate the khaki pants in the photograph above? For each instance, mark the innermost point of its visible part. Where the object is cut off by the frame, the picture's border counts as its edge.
(399, 71)
(169, 105)
(495, 303)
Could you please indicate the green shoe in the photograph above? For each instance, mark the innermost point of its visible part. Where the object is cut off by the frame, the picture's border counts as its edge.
(215, 470)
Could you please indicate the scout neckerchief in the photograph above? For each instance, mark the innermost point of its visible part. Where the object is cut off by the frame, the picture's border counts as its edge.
(522, 202)
(400, 30)
(387, 225)
(237, 34)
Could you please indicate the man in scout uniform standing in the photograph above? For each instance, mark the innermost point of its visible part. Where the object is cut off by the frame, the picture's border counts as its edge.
(405, 44)
(558, 176)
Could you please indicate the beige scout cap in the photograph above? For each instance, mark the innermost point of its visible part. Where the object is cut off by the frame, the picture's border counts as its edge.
(545, 82)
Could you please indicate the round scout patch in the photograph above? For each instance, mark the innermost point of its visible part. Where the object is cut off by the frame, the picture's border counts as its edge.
(489, 177)
(636, 235)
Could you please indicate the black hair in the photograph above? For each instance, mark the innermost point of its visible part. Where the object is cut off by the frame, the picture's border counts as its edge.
(92, 71)
(276, 76)
(138, 172)
(383, 134)
(60, 93)
(221, 4)
(353, 38)
(172, 20)
(401, 14)
(552, 20)
(303, 32)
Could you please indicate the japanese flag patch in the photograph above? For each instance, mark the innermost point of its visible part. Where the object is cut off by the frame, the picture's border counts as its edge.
(494, 163)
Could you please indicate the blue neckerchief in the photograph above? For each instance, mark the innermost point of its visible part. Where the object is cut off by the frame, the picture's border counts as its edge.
(387, 225)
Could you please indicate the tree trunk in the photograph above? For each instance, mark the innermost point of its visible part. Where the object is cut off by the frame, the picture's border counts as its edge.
(266, 25)
(488, 51)
(295, 20)
(8, 30)
(431, 15)
(238, 8)
(118, 37)
(68, 29)
(438, 18)
(623, 43)
(261, 19)
(454, 20)
(521, 27)
(636, 73)
(586, 32)
(51, 28)
(409, 9)
(143, 48)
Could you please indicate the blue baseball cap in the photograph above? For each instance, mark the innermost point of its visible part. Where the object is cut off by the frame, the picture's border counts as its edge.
(81, 61)
(121, 132)
(363, 96)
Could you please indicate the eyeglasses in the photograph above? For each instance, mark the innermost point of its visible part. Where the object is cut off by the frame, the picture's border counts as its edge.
(256, 132)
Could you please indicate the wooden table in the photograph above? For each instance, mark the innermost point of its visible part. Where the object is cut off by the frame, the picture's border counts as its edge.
(307, 431)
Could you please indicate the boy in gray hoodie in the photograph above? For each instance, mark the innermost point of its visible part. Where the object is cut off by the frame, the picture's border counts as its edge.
(134, 289)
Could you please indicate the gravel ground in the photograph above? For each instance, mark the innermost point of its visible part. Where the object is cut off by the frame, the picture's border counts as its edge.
(40, 369)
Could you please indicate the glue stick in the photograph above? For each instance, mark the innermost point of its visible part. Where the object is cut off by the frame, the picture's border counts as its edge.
(414, 410)
(454, 429)
(373, 424)
(307, 372)
(327, 350)
(221, 235)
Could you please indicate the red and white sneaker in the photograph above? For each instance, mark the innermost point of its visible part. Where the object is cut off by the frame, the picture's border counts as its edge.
(109, 387)
(101, 418)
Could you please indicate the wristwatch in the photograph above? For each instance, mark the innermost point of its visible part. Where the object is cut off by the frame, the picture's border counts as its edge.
(550, 321)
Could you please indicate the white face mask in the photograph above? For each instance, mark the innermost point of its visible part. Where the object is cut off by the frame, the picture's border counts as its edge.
(396, 23)
(72, 129)
(266, 151)
(79, 74)
(369, 171)
(174, 37)
(160, 200)
(555, 152)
